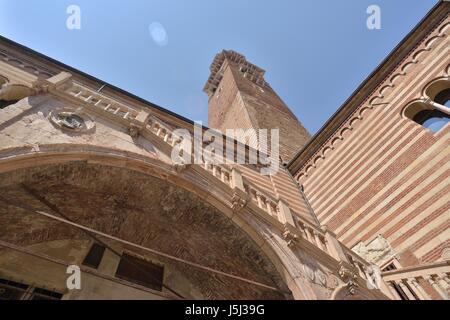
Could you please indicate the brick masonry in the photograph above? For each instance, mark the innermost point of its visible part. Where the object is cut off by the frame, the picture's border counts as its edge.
(387, 174)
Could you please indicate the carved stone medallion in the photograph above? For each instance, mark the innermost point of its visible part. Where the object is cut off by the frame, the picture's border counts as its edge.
(71, 121)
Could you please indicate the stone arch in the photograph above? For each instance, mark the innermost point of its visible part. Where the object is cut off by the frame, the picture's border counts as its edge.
(435, 87)
(318, 161)
(413, 108)
(25, 158)
(336, 142)
(15, 92)
(345, 132)
(425, 115)
(355, 122)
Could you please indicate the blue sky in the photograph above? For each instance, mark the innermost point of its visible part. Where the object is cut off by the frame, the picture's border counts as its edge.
(315, 52)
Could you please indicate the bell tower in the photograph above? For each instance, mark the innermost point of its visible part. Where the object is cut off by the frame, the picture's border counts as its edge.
(240, 98)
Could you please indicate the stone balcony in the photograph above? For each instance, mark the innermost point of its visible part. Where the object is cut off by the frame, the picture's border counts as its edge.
(425, 282)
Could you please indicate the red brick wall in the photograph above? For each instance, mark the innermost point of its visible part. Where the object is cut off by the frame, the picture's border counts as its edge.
(240, 103)
(389, 175)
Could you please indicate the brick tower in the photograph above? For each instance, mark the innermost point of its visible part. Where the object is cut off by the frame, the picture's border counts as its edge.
(240, 98)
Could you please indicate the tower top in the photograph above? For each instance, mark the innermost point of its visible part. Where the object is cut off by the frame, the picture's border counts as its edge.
(218, 66)
(241, 99)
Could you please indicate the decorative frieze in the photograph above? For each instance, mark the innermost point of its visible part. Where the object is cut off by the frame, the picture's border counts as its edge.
(377, 251)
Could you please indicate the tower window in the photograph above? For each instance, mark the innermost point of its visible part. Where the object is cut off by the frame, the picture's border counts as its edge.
(443, 97)
(432, 119)
(431, 114)
(94, 256)
(141, 272)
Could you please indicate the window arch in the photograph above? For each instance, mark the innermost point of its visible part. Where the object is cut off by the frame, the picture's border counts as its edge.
(434, 112)
(12, 93)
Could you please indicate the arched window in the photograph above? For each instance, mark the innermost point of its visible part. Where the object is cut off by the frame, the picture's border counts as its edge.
(434, 120)
(443, 98)
(432, 113)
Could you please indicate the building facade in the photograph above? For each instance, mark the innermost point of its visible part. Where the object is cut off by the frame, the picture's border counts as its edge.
(92, 205)
(377, 173)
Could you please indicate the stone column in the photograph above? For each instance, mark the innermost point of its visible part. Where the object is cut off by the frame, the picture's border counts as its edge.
(394, 291)
(419, 291)
(318, 240)
(406, 290)
(285, 214)
(436, 287)
(237, 181)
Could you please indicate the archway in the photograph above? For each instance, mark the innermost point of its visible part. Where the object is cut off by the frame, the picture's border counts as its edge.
(140, 208)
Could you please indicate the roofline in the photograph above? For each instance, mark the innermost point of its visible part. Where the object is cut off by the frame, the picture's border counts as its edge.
(94, 79)
(73, 70)
(381, 71)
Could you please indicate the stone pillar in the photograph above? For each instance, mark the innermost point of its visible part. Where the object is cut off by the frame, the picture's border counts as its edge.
(436, 287)
(334, 247)
(438, 106)
(236, 178)
(418, 289)
(445, 278)
(406, 290)
(285, 214)
(318, 240)
(309, 235)
(388, 290)
(393, 291)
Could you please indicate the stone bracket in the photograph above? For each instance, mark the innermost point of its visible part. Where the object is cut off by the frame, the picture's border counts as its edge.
(238, 201)
(135, 130)
(349, 275)
(180, 167)
(290, 236)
